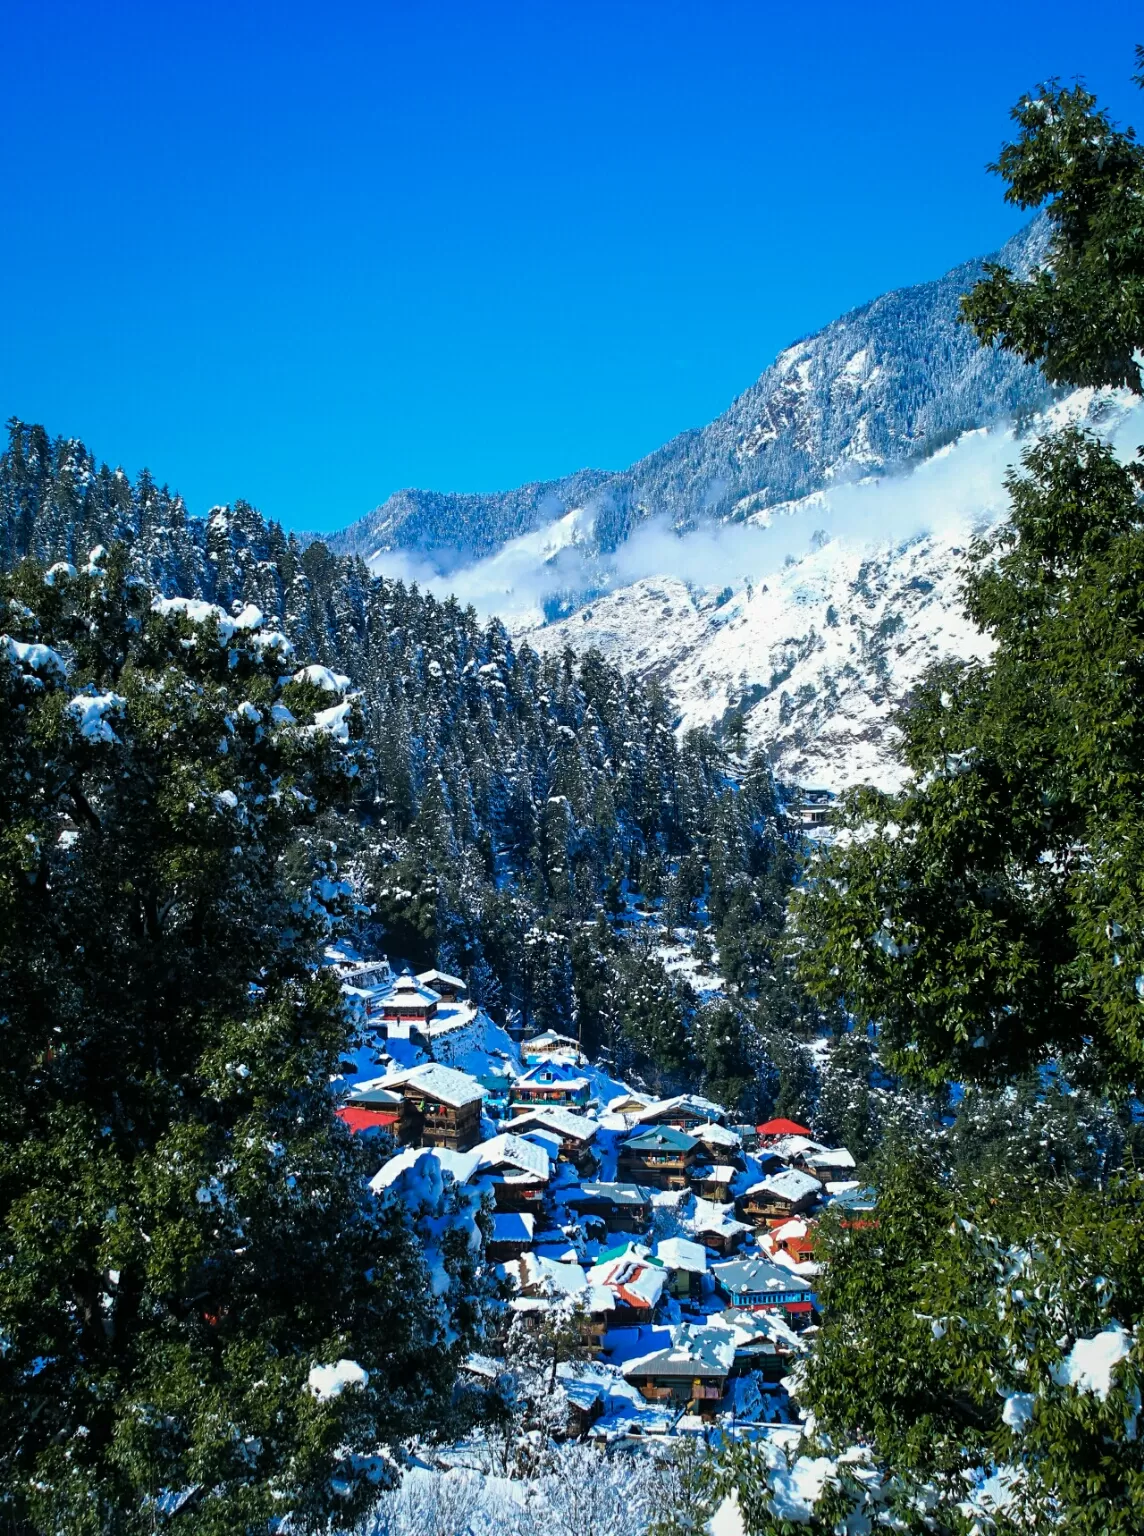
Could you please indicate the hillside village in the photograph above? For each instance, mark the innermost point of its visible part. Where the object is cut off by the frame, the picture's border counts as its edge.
(655, 1257)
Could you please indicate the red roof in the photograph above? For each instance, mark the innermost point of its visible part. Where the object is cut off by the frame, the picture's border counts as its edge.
(781, 1128)
(360, 1118)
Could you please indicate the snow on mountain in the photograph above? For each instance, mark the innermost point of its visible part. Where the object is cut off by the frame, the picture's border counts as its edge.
(816, 623)
(885, 385)
(799, 559)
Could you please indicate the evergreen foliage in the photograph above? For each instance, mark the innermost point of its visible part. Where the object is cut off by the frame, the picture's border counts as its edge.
(185, 1228)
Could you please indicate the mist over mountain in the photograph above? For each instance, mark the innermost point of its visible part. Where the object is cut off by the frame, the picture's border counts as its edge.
(885, 385)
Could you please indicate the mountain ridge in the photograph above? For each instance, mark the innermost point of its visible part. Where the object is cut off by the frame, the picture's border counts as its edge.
(888, 382)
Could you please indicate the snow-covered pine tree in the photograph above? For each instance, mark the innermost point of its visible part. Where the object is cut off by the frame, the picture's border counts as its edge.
(185, 1229)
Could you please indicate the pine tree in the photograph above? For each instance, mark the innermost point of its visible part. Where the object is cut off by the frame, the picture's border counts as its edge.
(186, 1228)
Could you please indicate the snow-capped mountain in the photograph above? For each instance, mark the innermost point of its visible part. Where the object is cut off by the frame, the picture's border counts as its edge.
(885, 385)
(798, 560)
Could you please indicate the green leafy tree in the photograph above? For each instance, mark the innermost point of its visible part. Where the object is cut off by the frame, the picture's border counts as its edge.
(185, 1227)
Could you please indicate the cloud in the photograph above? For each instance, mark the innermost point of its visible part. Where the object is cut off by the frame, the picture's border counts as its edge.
(962, 485)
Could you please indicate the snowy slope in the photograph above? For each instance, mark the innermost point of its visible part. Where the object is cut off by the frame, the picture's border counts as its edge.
(883, 386)
(817, 622)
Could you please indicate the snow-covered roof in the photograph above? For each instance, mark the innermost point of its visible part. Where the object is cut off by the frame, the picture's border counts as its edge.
(690, 1102)
(513, 1227)
(547, 1277)
(516, 1152)
(618, 1194)
(682, 1253)
(787, 1147)
(425, 1166)
(757, 1276)
(714, 1135)
(695, 1351)
(749, 1327)
(407, 989)
(561, 1072)
(564, 1121)
(832, 1158)
(431, 978)
(710, 1216)
(632, 1279)
(549, 1039)
(445, 1083)
(792, 1184)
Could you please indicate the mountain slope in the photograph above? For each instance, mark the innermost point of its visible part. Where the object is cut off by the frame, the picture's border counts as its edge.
(884, 385)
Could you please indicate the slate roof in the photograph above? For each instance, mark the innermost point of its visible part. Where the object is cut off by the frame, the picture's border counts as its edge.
(756, 1276)
(565, 1122)
(791, 1184)
(445, 1083)
(660, 1138)
(696, 1351)
(523, 1155)
(618, 1194)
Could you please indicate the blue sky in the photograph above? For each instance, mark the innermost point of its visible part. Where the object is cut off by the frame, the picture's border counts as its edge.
(309, 255)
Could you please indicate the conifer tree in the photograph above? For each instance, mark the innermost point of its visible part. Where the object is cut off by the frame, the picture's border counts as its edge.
(185, 1228)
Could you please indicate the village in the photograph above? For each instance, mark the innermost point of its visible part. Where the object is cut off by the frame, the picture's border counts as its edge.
(656, 1256)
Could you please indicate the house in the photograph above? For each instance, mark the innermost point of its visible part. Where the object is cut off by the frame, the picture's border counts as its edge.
(814, 807)
(686, 1264)
(518, 1171)
(713, 1183)
(576, 1133)
(852, 1196)
(452, 988)
(692, 1372)
(773, 1130)
(365, 981)
(659, 1156)
(763, 1341)
(756, 1284)
(833, 1163)
(440, 1107)
(513, 1232)
(782, 1195)
(636, 1282)
(547, 1084)
(408, 1002)
(551, 1045)
(682, 1112)
(715, 1227)
(622, 1207)
(720, 1144)
(372, 1109)
(629, 1103)
(794, 1238)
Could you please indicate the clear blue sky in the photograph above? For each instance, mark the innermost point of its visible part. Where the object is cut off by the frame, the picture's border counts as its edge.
(311, 255)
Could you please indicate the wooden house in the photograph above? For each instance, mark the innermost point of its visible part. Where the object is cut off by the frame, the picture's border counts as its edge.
(622, 1207)
(451, 988)
(372, 1109)
(577, 1135)
(686, 1264)
(513, 1232)
(683, 1112)
(518, 1171)
(548, 1085)
(440, 1106)
(691, 1373)
(757, 1285)
(636, 1281)
(781, 1195)
(658, 1156)
(552, 1046)
(408, 1002)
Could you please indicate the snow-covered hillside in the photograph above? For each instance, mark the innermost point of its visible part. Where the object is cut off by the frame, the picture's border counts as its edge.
(883, 386)
(816, 622)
